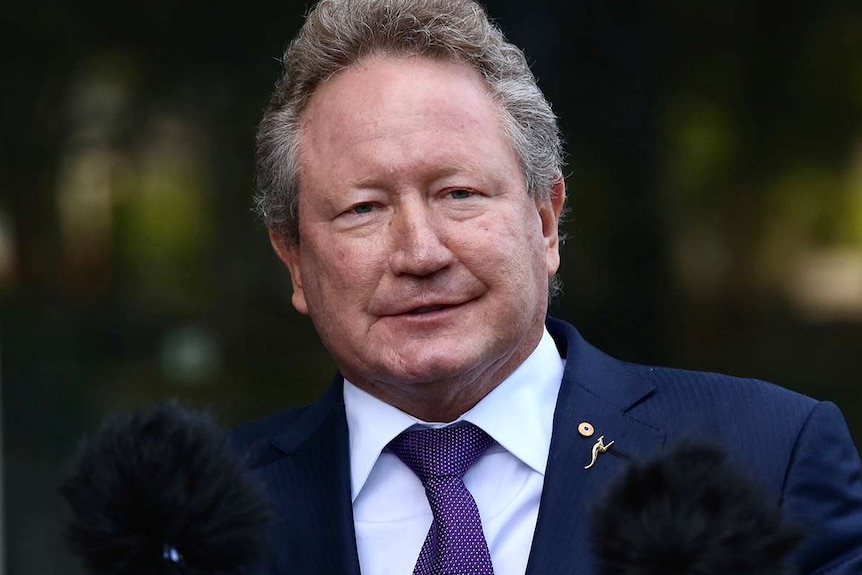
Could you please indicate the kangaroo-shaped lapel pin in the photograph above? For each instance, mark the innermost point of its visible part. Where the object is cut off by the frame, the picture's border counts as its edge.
(599, 447)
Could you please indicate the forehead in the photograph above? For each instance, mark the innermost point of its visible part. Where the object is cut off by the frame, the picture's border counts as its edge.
(397, 98)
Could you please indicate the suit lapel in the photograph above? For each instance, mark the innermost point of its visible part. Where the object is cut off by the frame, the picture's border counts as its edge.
(311, 484)
(598, 390)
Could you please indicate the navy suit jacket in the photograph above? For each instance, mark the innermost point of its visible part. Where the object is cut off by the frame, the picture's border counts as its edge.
(799, 450)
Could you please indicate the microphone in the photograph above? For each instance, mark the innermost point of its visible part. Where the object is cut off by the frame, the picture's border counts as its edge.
(160, 492)
(689, 512)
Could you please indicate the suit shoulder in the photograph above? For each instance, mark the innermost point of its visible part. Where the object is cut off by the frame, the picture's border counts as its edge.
(623, 382)
(668, 378)
(253, 440)
(713, 397)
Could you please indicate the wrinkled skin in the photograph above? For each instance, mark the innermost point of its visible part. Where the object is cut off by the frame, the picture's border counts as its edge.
(422, 261)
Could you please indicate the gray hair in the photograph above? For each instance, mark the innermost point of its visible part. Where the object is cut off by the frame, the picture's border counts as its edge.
(339, 33)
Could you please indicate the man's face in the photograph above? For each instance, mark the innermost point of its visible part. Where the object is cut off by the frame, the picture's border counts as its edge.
(422, 261)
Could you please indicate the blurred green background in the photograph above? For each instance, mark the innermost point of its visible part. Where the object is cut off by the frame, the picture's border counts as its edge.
(715, 183)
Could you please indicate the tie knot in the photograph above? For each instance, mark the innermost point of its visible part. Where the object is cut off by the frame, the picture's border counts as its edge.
(444, 451)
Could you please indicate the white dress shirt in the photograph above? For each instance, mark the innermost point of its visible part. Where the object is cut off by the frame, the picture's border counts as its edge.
(390, 510)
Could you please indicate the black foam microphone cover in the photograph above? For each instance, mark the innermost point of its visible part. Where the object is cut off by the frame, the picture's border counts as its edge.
(160, 492)
(688, 511)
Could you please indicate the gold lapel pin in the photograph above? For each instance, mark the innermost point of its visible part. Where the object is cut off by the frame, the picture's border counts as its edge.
(599, 447)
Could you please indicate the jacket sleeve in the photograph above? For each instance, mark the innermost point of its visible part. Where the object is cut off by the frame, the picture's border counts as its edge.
(823, 495)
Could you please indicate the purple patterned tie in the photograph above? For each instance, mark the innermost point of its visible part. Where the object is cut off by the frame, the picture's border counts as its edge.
(455, 544)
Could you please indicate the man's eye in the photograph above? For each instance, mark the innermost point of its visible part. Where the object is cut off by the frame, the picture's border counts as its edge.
(362, 208)
(460, 194)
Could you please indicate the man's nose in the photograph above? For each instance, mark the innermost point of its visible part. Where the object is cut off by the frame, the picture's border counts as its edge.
(418, 245)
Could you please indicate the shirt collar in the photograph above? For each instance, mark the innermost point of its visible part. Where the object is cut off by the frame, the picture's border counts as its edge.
(518, 414)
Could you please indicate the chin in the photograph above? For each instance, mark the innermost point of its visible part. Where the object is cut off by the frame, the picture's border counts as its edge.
(430, 371)
(444, 365)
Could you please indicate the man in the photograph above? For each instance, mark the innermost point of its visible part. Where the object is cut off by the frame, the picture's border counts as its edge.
(409, 175)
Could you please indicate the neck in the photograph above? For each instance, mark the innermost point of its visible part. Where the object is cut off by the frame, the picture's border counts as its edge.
(436, 402)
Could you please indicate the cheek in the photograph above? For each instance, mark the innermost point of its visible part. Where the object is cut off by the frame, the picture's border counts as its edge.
(524, 255)
(344, 271)
(500, 254)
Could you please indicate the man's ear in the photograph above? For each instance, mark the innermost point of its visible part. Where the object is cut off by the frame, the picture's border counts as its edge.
(550, 211)
(288, 253)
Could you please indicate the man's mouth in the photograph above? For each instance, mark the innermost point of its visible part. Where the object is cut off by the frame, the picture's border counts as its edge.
(427, 309)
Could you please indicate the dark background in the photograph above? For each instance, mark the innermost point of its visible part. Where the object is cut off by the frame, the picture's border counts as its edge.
(714, 176)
